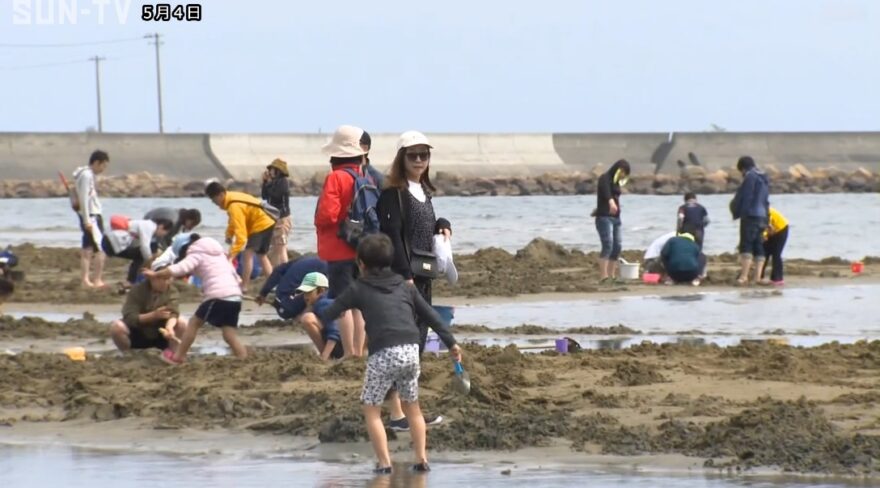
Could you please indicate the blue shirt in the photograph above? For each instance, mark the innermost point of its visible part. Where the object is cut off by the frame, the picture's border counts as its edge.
(287, 277)
(330, 329)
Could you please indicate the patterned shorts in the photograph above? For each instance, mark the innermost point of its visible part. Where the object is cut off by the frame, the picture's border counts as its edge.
(393, 367)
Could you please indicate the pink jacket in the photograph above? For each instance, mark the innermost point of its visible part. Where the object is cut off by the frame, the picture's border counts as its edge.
(206, 260)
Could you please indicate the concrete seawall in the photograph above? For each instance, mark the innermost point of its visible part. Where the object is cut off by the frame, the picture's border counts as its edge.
(245, 155)
(33, 156)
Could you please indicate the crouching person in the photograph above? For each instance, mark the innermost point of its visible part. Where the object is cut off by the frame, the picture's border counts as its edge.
(324, 335)
(150, 316)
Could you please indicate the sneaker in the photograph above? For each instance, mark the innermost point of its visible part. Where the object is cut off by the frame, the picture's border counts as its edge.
(402, 425)
(778, 283)
(399, 425)
(381, 470)
(421, 468)
(435, 420)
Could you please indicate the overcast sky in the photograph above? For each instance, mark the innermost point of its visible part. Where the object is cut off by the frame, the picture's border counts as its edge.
(450, 66)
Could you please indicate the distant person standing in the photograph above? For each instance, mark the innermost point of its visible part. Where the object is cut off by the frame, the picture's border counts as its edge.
(249, 229)
(751, 205)
(774, 242)
(276, 191)
(608, 222)
(88, 207)
(693, 218)
(373, 173)
(182, 220)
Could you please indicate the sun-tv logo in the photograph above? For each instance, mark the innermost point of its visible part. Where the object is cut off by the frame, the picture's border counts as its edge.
(69, 12)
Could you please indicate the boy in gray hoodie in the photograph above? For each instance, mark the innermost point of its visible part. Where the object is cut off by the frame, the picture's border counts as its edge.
(390, 306)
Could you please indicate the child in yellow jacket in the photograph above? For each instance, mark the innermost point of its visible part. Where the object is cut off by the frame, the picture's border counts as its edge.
(250, 228)
(774, 242)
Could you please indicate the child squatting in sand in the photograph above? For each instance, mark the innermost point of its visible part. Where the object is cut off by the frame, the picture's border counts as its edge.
(390, 307)
(204, 257)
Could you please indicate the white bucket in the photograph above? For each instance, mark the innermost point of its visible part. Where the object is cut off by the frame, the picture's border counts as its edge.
(629, 271)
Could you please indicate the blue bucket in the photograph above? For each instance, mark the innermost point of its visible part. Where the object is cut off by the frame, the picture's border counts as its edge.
(446, 313)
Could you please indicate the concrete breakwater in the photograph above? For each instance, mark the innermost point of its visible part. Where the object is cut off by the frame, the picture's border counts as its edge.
(796, 179)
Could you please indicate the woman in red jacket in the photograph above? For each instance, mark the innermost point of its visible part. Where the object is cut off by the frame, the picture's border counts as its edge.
(345, 153)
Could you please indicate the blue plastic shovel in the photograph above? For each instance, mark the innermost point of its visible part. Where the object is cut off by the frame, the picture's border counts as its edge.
(461, 381)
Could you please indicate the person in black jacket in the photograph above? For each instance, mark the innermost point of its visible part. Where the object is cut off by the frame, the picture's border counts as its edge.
(411, 226)
(693, 218)
(607, 215)
(390, 307)
(406, 216)
(276, 191)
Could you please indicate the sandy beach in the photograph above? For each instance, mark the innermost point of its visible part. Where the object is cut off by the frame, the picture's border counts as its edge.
(753, 405)
(762, 406)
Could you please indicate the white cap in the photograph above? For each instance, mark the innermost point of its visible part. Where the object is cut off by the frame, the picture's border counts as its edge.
(345, 143)
(445, 264)
(412, 138)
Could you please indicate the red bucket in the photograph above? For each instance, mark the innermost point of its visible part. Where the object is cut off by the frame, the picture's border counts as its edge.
(857, 267)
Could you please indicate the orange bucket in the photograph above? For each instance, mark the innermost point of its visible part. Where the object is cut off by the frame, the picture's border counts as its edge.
(857, 267)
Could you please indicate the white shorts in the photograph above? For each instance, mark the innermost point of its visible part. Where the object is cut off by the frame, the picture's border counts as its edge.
(394, 367)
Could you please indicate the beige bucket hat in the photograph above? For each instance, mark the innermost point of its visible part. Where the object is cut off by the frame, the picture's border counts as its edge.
(345, 143)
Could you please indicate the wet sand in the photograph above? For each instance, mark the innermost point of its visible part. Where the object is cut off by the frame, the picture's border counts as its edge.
(753, 406)
(748, 406)
(542, 267)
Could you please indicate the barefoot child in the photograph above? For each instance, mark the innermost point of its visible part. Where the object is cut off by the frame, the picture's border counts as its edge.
(390, 307)
(204, 257)
(325, 335)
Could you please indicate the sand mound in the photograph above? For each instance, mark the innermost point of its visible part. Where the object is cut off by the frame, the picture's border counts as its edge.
(633, 373)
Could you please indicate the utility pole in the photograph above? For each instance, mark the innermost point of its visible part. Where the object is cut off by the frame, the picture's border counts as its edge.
(157, 42)
(97, 60)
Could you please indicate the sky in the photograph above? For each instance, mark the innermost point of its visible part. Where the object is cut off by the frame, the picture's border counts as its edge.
(450, 66)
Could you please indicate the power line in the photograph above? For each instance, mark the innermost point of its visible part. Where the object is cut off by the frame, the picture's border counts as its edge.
(46, 65)
(72, 44)
(64, 63)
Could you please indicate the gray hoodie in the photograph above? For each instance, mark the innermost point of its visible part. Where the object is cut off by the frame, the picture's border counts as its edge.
(390, 306)
(86, 194)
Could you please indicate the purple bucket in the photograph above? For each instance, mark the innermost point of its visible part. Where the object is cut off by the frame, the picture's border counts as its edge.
(562, 345)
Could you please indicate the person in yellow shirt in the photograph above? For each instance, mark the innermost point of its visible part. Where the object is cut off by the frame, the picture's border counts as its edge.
(774, 242)
(250, 228)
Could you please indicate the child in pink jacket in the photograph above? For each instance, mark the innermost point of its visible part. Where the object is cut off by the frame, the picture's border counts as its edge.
(204, 257)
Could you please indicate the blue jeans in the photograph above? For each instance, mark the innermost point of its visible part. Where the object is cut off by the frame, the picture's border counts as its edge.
(751, 236)
(609, 236)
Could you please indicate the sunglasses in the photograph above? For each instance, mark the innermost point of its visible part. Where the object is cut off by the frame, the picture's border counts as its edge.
(416, 156)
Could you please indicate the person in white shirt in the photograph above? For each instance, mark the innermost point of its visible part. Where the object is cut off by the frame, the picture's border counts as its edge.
(136, 243)
(88, 208)
(653, 263)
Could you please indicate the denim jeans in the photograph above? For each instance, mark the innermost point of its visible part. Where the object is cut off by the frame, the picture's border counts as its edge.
(751, 236)
(609, 236)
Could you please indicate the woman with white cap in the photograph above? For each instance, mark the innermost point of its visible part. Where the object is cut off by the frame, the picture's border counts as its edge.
(406, 215)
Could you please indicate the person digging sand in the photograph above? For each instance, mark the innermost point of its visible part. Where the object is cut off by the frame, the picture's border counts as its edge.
(150, 316)
(204, 258)
(324, 334)
(390, 307)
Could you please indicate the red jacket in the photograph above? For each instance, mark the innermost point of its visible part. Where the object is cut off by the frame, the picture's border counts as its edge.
(332, 209)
